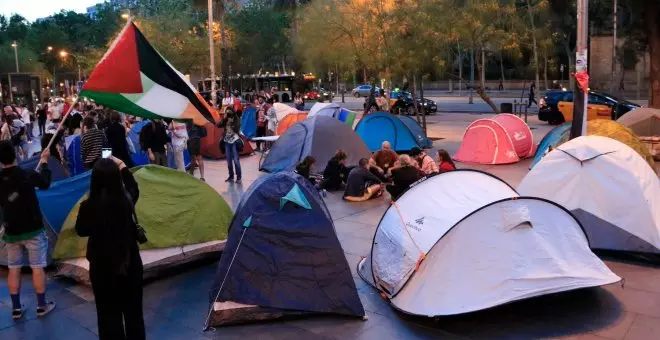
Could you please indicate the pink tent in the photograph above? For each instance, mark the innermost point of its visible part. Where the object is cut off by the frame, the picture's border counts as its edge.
(502, 139)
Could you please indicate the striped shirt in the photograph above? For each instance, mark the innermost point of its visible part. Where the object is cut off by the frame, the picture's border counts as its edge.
(91, 145)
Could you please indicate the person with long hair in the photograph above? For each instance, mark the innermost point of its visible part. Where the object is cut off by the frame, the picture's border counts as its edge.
(42, 116)
(106, 217)
(116, 134)
(299, 102)
(231, 140)
(305, 168)
(445, 163)
(336, 172)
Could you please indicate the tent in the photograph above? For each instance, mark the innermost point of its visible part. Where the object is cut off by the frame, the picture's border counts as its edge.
(319, 136)
(249, 122)
(550, 140)
(402, 133)
(73, 155)
(503, 139)
(185, 220)
(617, 131)
(612, 191)
(55, 203)
(643, 122)
(282, 257)
(289, 120)
(211, 143)
(140, 157)
(283, 110)
(58, 172)
(419, 218)
(508, 250)
(325, 109)
(347, 117)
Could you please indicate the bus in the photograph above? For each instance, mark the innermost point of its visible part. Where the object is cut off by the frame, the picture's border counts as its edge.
(281, 86)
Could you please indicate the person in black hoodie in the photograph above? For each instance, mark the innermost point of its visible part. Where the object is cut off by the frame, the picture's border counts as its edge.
(403, 175)
(23, 226)
(116, 135)
(153, 139)
(335, 173)
(115, 266)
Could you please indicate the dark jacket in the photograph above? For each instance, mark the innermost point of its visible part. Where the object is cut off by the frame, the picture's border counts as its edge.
(18, 199)
(303, 171)
(116, 134)
(358, 181)
(334, 175)
(154, 136)
(111, 230)
(235, 125)
(402, 178)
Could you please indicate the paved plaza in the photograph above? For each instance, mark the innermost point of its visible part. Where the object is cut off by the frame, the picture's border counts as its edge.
(176, 306)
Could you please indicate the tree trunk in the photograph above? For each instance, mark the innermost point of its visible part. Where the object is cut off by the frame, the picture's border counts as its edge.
(483, 68)
(501, 67)
(653, 30)
(545, 68)
(482, 93)
(535, 48)
(460, 70)
(414, 98)
(423, 109)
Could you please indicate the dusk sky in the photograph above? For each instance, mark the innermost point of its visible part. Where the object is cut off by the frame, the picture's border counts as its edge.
(34, 9)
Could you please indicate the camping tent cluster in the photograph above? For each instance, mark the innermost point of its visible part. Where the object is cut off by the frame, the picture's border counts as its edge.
(502, 139)
(608, 186)
(598, 127)
(402, 132)
(282, 257)
(464, 241)
(211, 143)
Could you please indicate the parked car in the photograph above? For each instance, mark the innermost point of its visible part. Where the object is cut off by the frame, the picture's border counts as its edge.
(556, 106)
(319, 94)
(364, 91)
(403, 102)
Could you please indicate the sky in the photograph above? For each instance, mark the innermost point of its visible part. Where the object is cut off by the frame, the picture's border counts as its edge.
(34, 9)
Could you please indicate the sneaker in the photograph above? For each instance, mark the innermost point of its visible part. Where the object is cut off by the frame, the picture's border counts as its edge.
(238, 180)
(41, 311)
(17, 313)
(202, 179)
(230, 179)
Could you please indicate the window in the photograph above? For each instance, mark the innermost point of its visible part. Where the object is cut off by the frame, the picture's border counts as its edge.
(568, 97)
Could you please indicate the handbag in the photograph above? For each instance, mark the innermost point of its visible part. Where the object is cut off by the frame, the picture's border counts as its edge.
(140, 233)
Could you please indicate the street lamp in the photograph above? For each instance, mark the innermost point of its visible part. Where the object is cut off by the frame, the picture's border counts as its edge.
(50, 48)
(15, 46)
(125, 16)
(64, 53)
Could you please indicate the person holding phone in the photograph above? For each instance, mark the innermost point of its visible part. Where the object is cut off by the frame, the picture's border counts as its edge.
(106, 217)
(92, 142)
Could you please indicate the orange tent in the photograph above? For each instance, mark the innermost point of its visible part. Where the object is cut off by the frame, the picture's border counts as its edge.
(289, 120)
(211, 143)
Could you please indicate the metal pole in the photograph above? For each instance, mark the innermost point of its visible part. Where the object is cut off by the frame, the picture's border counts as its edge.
(471, 74)
(11, 91)
(614, 21)
(16, 55)
(212, 54)
(579, 125)
(54, 83)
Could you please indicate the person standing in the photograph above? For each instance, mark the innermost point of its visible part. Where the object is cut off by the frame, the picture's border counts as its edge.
(153, 138)
(299, 102)
(271, 115)
(261, 126)
(106, 217)
(27, 121)
(231, 140)
(532, 94)
(195, 135)
(179, 141)
(42, 116)
(116, 134)
(23, 226)
(92, 142)
(56, 111)
(15, 129)
(383, 102)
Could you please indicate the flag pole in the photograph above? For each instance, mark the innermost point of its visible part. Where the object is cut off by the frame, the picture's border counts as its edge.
(66, 115)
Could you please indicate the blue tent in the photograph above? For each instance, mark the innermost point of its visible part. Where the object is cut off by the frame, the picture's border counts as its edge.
(57, 170)
(550, 139)
(282, 257)
(61, 197)
(402, 132)
(249, 122)
(73, 155)
(319, 136)
(140, 157)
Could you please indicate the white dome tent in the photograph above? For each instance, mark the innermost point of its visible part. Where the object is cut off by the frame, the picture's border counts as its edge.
(324, 109)
(612, 191)
(464, 240)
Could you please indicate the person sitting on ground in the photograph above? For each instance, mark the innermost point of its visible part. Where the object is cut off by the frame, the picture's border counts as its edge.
(403, 175)
(361, 184)
(24, 227)
(92, 142)
(383, 159)
(336, 172)
(424, 161)
(305, 167)
(445, 163)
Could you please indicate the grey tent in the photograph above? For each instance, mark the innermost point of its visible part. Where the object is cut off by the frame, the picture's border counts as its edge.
(318, 136)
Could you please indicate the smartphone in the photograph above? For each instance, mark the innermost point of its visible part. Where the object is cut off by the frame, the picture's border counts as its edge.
(106, 153)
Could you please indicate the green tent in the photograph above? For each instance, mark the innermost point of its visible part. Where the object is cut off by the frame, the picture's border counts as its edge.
(185, 220)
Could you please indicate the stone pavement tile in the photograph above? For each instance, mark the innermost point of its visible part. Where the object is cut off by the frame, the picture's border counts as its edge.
(618, 328)
(636, 300)
(272, 330)
(644, 327)
(386, 328)
(56, 326)
(353, 261)
(84, 315)
(371, 216)
(338, 327)
(351, 229)
(355, 245)
(373, 302)
(63, 298)
(638, 275)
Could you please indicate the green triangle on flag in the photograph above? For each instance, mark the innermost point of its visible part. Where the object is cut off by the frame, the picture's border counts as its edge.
(247, 222)
(296, 196)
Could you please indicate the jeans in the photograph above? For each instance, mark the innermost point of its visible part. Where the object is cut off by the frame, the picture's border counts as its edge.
(28, 131)
(179, 161)
(42, 127)
(232, 157)
(37, 250)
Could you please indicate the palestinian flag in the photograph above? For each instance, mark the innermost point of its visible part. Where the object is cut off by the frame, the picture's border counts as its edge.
(132, 77)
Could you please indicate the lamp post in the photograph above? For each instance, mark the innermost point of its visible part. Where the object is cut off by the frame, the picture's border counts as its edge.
(15, 46)
(211, 54)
